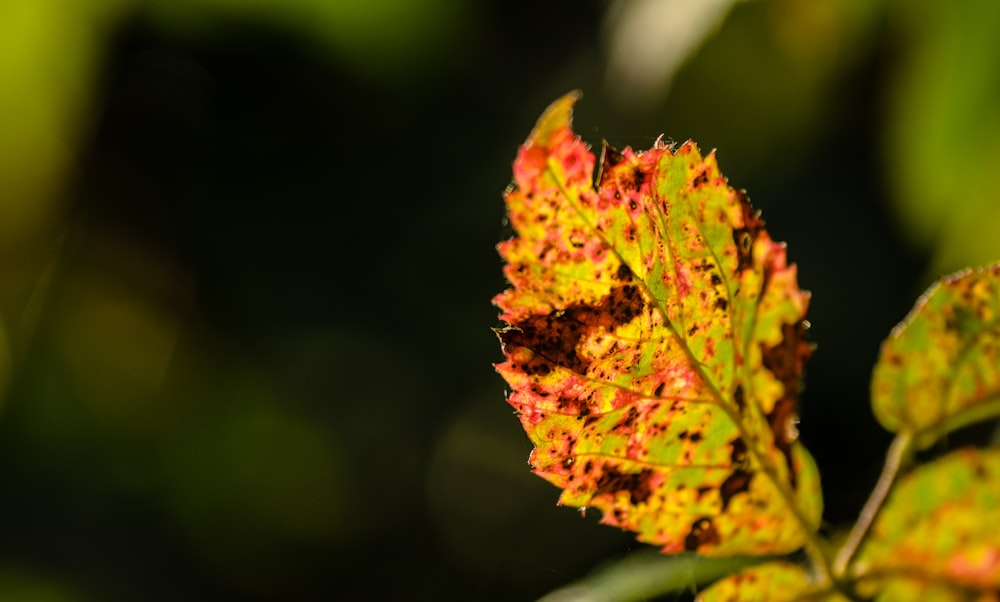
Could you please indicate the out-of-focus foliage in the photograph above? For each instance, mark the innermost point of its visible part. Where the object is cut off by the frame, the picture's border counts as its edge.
(50, 56)
(942, 137)
(939, 370)
(934, 537)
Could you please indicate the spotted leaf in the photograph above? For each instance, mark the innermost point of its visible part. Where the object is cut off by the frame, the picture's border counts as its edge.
(654, 345)
(778, 581)
(937, 537)
(940, 368)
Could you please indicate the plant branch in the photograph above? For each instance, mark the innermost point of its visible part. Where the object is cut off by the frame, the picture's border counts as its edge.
(899, 454)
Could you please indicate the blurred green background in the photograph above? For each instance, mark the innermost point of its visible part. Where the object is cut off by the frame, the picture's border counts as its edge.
(247, 253)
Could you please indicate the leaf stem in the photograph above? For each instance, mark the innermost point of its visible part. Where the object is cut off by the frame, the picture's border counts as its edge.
(899, 455)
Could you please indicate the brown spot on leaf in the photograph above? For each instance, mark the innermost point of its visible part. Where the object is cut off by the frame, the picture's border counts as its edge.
(738, 482)
(624, 274)
(700, 180)
(739, 451)
(702, 533)
(554, 337)
(739, 399)
(786, 361)
(637, 484)
(627, 423)
(638, 176)
(745, 236)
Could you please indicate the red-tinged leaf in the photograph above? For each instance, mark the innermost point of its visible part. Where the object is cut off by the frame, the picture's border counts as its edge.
(772, 582)
(655, 345)
(940, 368)
(938, 530)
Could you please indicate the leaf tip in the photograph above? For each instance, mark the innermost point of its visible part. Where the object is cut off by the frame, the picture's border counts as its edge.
(558, 115)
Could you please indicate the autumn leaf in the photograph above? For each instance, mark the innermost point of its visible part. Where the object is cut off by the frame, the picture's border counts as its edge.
(654, 345)
(937, 537)
(940, 368)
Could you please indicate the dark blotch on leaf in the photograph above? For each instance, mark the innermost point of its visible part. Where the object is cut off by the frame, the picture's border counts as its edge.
(737, 482)
(786, 361)
(744, 237)
(739, 453)
(700, 180)
(624, 274)
(627, 423)
(639, 177)
(636, 484)
(554, 337)
(739, 399)
(702, 533)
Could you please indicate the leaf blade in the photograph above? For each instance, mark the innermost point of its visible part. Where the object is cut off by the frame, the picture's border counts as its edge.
(779, 581)
(655, 345)
(936, 531)
(940, 368)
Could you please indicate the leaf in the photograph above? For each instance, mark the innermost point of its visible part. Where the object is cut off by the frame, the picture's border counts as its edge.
(938, 531)
(940, 368)
(655, 345)
(645, 575)
(779, 581)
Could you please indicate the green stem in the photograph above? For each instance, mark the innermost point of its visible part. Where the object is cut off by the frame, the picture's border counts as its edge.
(899, 455)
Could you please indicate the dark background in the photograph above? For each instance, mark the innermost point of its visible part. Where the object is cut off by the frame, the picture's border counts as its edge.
(248, 256)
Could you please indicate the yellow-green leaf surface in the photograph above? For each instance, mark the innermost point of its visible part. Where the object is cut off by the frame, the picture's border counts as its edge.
(772, 582)
(939, 533)
(940, 368)
(654, 345)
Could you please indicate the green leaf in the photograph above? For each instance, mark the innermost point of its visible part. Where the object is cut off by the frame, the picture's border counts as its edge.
(942, 174)
(655, 345)
(937, 532)
(644, 575)
(780, 581)
(940, 368)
